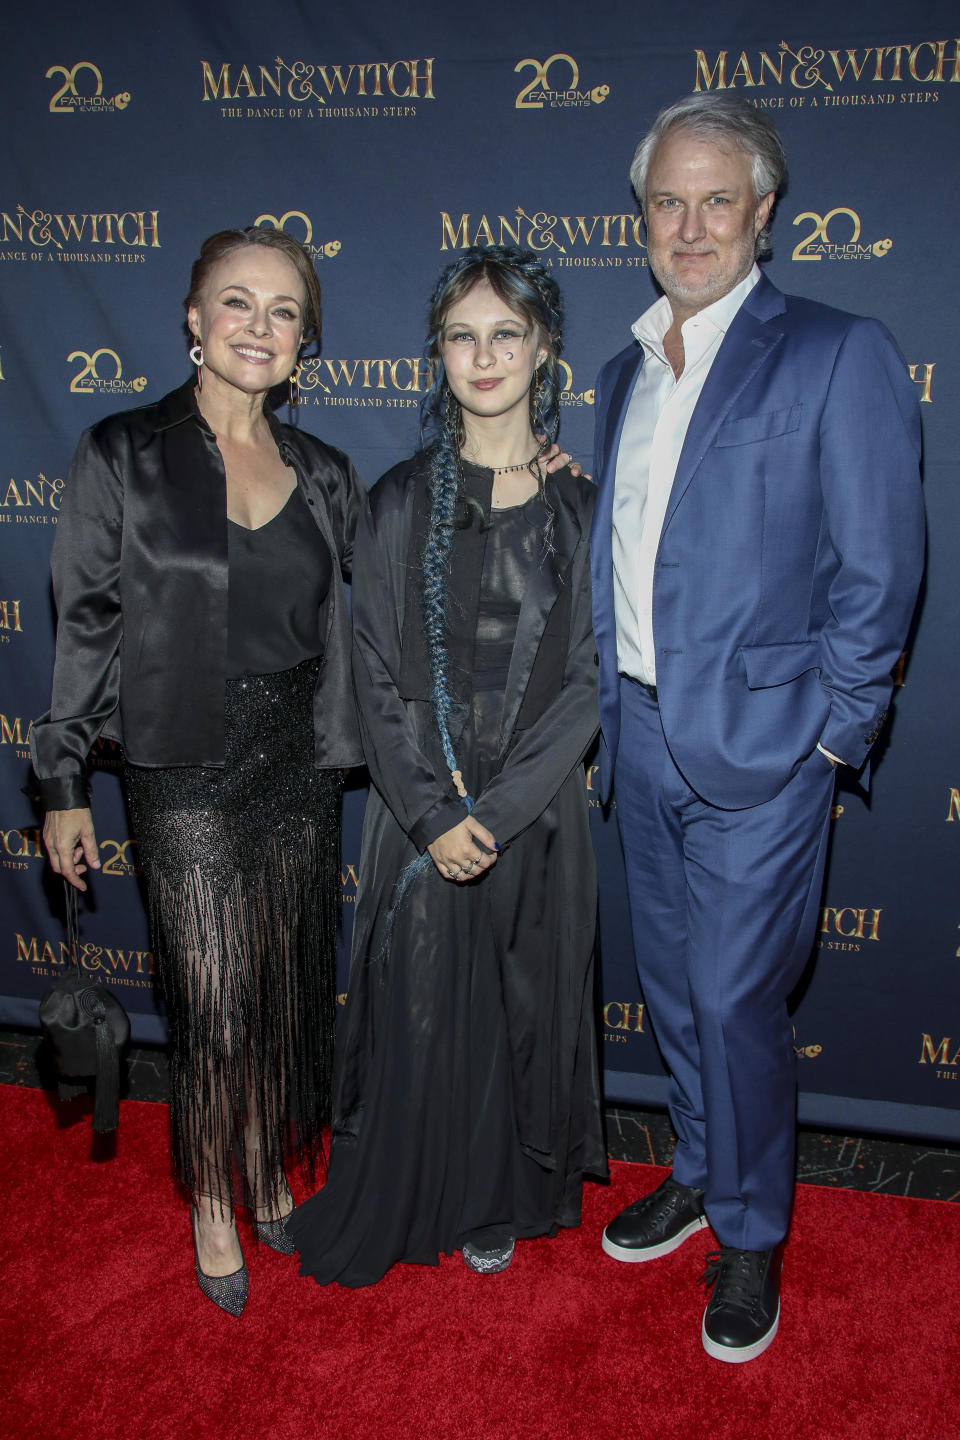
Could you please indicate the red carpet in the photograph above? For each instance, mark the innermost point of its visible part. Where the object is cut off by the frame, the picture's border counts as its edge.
(103, 1334)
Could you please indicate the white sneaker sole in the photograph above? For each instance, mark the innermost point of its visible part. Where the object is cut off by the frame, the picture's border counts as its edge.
(737, 1355)
(635, 1255)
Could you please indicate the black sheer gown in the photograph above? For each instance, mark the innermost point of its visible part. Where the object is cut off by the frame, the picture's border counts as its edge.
(466, 1093)
(242, 870)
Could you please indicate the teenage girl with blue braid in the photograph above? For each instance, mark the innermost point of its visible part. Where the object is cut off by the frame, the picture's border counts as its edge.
(466, 1096)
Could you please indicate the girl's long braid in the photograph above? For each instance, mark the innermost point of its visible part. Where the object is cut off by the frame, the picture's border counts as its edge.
(445, 476)
(443, 458)
(531, 289)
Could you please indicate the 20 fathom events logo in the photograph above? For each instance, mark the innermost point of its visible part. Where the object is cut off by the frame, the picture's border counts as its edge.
(325, 250)
(813, 78)
(111, 237)
(361, 90)
(844, 225)
(81, 91)
(539, 93)
(89, 381)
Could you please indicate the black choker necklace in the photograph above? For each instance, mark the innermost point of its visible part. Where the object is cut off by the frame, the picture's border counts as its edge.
(508, 469)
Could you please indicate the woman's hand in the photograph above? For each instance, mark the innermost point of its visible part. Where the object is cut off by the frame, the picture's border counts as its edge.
(69, 838)
(555, 459)
(464, 852)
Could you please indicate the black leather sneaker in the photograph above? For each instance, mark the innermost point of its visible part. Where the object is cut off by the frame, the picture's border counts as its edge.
(743, 1311)
(657, 1224)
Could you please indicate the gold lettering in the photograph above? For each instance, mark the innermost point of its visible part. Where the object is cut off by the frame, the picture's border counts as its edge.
(12, 226)
(873, 925)
(416, 78)
(459, 239)
(848, 934)
(580, 228)
(27, 953)
(27, 844)
(245, 80)
(953, 808)
(12, 734)
(71, 230)
(416, 374)
(267, 79)
(942, 55)
(338, 77)
(211, 87)
(379, 383)
(391, 86)
(855, 66)
(10, 615)
(483, 229)
(627, 1012)
(767, 64)
(743, 70)
(345, 373)
(32, 954)
(929, 1056)
(897, 52)
(831, 918)
(924, 380)
(717, 75)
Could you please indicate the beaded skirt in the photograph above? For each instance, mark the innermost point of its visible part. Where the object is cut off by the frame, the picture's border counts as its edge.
(242, 866)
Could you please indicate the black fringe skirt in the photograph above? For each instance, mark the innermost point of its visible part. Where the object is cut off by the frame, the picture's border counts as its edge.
(243, 877)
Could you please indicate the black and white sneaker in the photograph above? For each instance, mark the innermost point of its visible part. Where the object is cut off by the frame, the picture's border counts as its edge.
(657, 1224)
(743, 1312)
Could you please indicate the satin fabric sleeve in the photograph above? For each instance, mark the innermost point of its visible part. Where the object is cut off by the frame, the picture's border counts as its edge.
(348, 496)
(85, 563)
(546, 753)
(422, 802)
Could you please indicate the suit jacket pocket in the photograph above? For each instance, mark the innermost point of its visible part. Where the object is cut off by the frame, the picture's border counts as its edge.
(767, 665)
(751, 428)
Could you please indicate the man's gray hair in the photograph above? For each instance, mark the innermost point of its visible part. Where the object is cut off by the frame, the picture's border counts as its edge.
(724, 120)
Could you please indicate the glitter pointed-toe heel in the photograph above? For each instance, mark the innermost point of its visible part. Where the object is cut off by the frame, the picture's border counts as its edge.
(228, 1292)
(273, 1233)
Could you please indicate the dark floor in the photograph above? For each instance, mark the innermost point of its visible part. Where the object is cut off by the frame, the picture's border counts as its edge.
(851, 1162)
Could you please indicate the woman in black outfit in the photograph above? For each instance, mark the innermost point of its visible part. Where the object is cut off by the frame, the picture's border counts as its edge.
(466, 1101)
(198, 573)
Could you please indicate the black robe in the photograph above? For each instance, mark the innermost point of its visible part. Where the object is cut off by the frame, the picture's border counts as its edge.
(466, 1091)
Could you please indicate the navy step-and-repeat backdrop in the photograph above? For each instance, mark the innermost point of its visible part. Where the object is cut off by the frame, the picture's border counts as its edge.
(387, 138)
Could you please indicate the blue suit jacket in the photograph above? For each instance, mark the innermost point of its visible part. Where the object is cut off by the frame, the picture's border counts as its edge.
(791, 551)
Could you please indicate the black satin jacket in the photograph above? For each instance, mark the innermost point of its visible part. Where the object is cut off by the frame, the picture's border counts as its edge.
(550, 702)
(140, 580)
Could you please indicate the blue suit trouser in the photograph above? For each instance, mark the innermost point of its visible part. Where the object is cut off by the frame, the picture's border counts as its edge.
(724, 908)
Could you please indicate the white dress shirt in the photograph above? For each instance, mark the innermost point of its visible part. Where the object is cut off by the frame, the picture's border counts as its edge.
(653, 433)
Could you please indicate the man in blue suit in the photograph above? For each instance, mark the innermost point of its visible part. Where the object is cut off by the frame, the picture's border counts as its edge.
(757, 550)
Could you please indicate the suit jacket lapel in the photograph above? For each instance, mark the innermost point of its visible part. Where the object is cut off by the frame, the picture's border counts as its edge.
(747, 345)
(539, 599)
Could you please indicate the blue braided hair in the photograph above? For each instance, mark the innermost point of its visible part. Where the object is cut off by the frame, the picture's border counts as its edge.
(520, 280)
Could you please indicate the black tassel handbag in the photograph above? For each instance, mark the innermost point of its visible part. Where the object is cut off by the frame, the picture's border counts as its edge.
(87, 1028)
